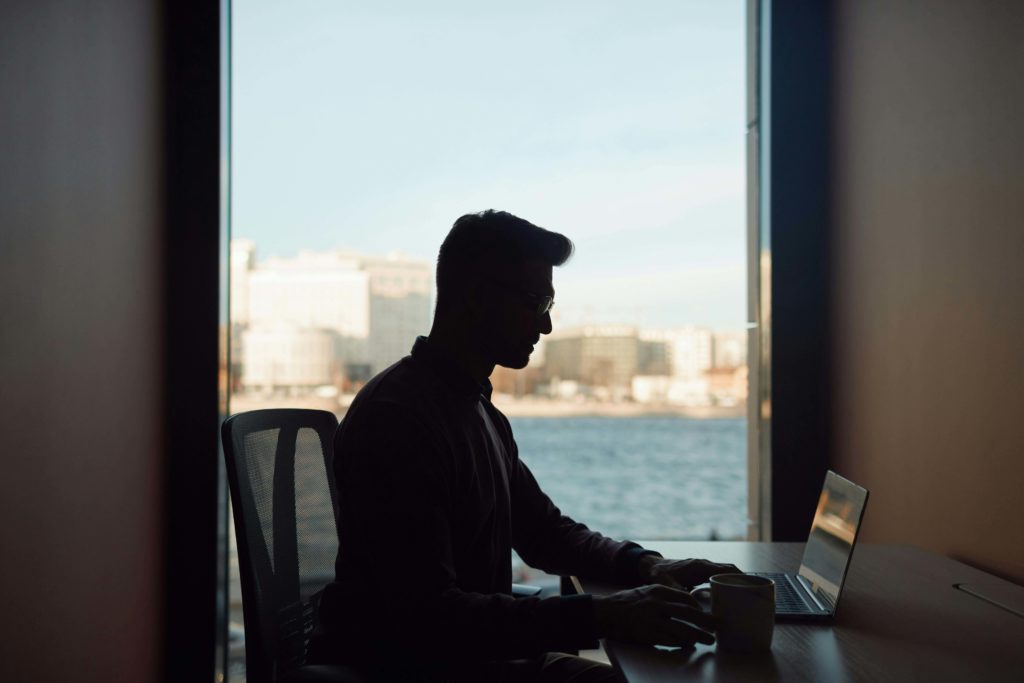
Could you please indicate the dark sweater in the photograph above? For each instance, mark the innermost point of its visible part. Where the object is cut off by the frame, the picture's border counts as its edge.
(432, 498)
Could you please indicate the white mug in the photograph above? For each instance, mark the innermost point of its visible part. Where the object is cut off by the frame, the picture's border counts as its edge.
(744, 611)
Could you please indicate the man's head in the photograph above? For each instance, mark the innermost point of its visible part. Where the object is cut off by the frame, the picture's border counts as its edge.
(494, 276)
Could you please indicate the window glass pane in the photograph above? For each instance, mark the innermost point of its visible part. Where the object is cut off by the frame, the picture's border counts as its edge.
(361, 131)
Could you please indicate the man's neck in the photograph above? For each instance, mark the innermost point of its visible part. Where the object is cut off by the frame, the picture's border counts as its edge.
(463, 350)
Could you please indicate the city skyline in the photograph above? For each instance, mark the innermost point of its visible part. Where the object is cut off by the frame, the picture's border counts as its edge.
(318, 258)
(329, 321)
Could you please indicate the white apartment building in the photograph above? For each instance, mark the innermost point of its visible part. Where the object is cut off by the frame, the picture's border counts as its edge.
(288, 357)
(689, 355)
(243, 260)
(400, 306)
(323, 316)
(324, 291)
(671, 390)
(730, 349)
(690, 349)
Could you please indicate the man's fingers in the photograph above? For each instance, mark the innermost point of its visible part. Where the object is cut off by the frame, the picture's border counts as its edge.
(709, 569)
(692, 615)
(669, 594)
(685, 634)
(670, 581)
(692, 572)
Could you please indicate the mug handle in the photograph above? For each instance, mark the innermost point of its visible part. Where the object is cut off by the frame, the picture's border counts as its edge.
(705, 593)
(702, 589)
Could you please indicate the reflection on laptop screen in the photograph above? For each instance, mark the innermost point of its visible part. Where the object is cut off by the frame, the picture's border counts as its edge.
(836, 520)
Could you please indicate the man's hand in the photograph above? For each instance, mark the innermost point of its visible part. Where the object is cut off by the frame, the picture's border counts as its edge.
(652, 615)
(681, 574)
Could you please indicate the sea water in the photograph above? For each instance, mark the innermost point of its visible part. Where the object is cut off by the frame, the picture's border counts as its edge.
(657, 477)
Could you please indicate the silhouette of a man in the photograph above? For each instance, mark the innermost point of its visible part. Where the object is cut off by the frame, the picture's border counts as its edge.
(433, 498)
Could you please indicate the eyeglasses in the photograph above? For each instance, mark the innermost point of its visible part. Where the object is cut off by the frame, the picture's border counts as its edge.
(539, 303)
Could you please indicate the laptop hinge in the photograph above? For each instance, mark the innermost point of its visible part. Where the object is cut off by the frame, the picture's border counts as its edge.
(806, 585)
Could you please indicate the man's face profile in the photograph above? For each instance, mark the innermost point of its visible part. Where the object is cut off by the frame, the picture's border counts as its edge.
(512, 324)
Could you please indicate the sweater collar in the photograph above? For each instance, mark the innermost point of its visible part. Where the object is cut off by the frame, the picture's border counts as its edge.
(455, 377)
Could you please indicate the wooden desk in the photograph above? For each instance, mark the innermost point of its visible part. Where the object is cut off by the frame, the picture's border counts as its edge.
(899, 619)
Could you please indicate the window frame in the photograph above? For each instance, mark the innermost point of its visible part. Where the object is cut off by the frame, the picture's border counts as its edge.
(789, 424)
(194, 80)
(791, 222)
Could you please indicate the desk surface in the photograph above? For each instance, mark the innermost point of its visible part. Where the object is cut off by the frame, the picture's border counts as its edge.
(899, 619)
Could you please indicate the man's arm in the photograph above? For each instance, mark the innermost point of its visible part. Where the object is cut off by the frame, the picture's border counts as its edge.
(650, 615)
(548, 540)
(396, 499)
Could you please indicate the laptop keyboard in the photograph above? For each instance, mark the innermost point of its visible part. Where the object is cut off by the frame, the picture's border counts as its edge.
(787, 600)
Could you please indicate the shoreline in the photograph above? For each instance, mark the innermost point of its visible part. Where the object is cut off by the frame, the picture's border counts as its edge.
(537, 408)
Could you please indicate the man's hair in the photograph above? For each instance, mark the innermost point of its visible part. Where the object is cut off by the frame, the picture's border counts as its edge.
(492, 237)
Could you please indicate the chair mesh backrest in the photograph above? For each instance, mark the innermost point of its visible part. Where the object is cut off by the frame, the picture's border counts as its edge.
(280, 473)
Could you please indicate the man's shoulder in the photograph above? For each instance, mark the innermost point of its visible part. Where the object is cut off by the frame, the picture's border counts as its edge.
(397, 412)
(405, 392)
(405, 382)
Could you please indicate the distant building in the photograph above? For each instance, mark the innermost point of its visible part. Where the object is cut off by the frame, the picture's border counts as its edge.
(332, 318)
(728, 386)
(730, 349)
(704, 368)
(668, 390)
(651, 388)
(313, 290)
(243, 260)
(517, 383)
(689, 350)
(400, 293)
(654, 357)
(594, 356)
(289, 357)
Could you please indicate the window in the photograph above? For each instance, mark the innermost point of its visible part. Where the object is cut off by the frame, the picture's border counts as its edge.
(359, 135)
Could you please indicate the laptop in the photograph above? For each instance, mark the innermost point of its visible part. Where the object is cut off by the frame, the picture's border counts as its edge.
(813, 593)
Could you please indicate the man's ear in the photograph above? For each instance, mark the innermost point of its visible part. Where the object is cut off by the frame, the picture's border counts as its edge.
(478, 294)
(476, 298)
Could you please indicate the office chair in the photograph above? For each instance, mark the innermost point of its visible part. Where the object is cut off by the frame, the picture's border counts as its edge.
(281, 478)
(280, 465)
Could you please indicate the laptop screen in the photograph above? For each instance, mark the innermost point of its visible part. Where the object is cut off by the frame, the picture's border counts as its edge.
(833, 533)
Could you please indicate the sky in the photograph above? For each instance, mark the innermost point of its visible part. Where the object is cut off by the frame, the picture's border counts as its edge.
(374, 125)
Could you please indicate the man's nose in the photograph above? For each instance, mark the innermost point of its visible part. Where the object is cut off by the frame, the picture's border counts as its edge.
(545, 323)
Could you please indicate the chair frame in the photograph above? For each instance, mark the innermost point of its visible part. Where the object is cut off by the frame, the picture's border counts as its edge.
(267, 663)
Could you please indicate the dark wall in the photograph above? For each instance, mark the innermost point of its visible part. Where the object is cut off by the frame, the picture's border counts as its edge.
(81, 287)
(928, 308)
